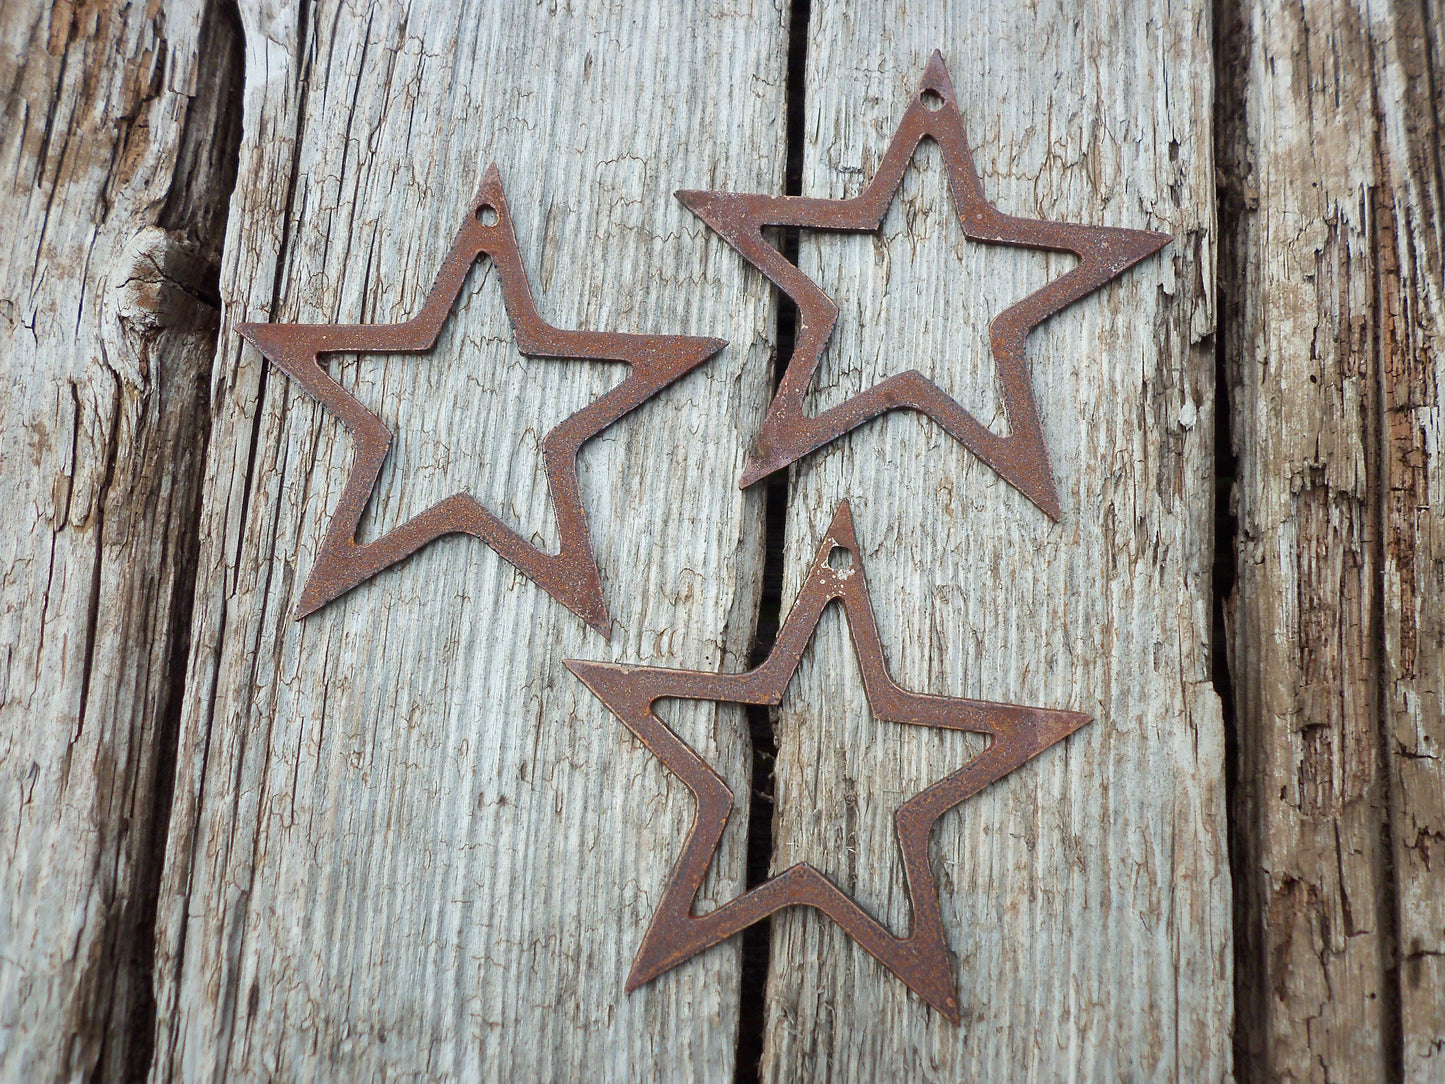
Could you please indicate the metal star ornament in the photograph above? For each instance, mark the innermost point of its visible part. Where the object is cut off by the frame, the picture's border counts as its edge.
(788, 434)
(921, 959)
(571, 576)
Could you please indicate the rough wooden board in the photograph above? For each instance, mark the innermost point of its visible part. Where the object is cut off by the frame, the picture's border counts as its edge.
(1408, 50)
(1302, 382)
(406, 842)
(1331, 173)
(1087, 895)
(113, 148)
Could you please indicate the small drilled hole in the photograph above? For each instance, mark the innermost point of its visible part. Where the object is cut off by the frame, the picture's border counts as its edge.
(932, 100)
(838, 557)
(487, 215)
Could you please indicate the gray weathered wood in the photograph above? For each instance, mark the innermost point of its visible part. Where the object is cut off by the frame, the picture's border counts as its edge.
(113, 155)
(1087, 895)
(1331, 169)
(406, 843)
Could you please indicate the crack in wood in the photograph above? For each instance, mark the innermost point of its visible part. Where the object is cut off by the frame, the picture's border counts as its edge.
(757, 939)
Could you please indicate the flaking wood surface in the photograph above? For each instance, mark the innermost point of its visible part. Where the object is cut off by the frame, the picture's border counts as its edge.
(1086, 896)
(1409, 51)
(407, 844)
(1331, 164)
(113, 196)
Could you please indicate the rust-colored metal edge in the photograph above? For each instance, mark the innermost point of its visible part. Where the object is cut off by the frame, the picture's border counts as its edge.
(571, 575)
(920, 959)
(788, 433)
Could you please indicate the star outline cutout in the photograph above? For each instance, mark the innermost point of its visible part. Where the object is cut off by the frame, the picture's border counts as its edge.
(921, 959)
(571, 576)
(788, 433)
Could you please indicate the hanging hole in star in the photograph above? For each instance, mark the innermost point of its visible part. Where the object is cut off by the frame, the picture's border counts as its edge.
(932, 100)
(840, 558)
(487, 215)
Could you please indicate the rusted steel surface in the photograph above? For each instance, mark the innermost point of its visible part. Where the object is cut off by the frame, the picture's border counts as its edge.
(571, 575)
(1016, 734)
(788, 434)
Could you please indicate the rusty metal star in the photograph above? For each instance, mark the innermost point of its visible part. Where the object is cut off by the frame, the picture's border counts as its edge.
(920, 959)
(788, 433)
(571, 575)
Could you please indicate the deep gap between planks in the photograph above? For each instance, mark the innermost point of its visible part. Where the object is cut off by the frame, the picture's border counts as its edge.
(195, 214)
(757, 940)
(1229, 109)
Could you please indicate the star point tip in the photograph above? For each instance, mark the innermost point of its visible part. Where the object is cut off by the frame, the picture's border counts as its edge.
(709, 347)
(593, 611)
(310, 601)
(840, 535)
(936, 78)
(593, 672)
(251, 333)
(699, 201)
(1044, 496)
(267, 338)
(643, 970)
(753, 473)
(490, 190)
(843, 521)
(1056, 724)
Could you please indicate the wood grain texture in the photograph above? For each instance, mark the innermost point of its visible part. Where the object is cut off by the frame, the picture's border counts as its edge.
(1330, 162)
(406, 843)
(1408, 49)
(113, 151)
(1086, 896)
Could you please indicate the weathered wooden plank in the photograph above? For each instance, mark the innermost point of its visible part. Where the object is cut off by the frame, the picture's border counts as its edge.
(406, 843)
(1331, 172)
(113, 148)
(1086, 896)
(1302, 385)
(1407, 47)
